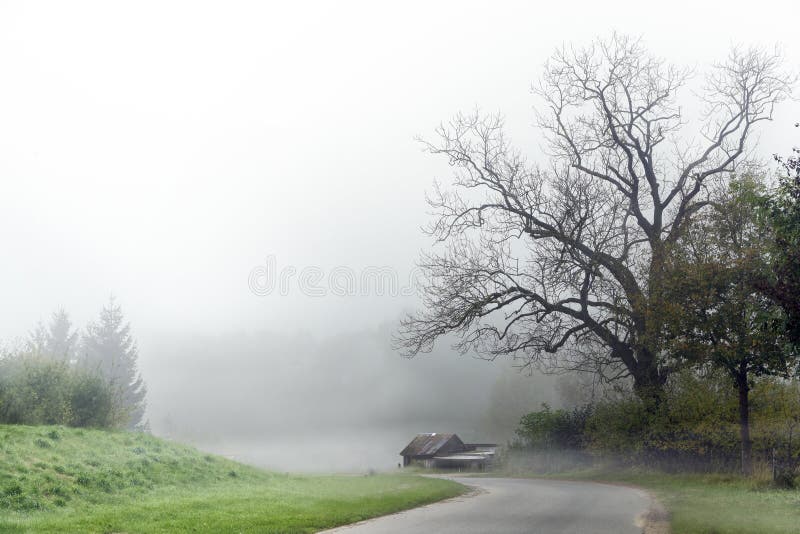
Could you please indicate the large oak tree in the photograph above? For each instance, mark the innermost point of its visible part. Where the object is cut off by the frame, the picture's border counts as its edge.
(560, 265)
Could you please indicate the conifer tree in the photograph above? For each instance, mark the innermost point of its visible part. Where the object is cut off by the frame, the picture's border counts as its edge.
(110, 350)
(57, 341)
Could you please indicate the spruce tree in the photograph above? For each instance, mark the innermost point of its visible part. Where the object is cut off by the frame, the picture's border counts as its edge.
(57, 341)
(110, 350)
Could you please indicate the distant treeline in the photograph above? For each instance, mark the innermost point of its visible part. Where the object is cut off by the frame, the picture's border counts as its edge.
(86, 379)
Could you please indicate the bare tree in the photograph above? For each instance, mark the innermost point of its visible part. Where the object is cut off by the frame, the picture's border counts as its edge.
(560, 266)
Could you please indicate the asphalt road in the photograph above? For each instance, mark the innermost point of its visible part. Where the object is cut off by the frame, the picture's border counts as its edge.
(507, 505)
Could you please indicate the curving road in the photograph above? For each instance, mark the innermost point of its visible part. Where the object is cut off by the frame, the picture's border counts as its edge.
(508, 505)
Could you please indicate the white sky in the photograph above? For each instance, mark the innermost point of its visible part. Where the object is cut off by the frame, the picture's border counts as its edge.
(161, 150)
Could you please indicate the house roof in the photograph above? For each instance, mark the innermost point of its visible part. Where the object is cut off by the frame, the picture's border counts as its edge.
(428, 444)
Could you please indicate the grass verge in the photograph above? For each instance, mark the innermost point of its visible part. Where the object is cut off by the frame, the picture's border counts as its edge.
(55, 479)
(710, 504)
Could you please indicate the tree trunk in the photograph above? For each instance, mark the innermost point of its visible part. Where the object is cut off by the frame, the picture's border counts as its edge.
(744, 425)
(648, 383)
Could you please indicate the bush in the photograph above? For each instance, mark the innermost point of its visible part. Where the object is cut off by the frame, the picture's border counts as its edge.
(554, 429)
(34, 391)
(92, 401)
(694, 429)
(617, 426)
(40, 391)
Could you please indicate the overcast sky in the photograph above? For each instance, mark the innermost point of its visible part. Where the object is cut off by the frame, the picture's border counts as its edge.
(161, 151)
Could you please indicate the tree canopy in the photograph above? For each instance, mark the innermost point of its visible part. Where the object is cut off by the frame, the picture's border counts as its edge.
(561, 265)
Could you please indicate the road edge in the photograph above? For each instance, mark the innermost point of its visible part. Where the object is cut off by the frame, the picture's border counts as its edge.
(655, 520)
(472, 491)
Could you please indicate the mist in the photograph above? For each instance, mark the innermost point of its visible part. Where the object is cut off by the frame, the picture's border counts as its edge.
(342, 402)
(168, 153)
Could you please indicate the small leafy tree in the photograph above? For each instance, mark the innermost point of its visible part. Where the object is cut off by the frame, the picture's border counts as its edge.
(717, 318)
(780, 280)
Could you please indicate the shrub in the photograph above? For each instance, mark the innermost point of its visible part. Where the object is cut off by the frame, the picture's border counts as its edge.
(554, 429)
(695, 428)
(92, 401)
(41, 391)
(34, 391)
(617, 426)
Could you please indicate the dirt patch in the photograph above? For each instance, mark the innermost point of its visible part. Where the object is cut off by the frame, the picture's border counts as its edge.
(655, 520)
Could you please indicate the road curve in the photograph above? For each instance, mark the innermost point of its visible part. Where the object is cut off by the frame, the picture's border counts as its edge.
(511, 505)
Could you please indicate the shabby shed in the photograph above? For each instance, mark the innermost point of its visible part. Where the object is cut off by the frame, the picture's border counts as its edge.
(447, 451)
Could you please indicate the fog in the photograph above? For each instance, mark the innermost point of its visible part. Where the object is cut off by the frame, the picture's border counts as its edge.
(341, 402)
(179, 154)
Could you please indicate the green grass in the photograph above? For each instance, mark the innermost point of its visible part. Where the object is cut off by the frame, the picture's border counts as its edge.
(55, 479)
(711, 504)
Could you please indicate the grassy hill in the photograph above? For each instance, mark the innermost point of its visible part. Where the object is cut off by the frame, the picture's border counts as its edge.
(56, 479)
